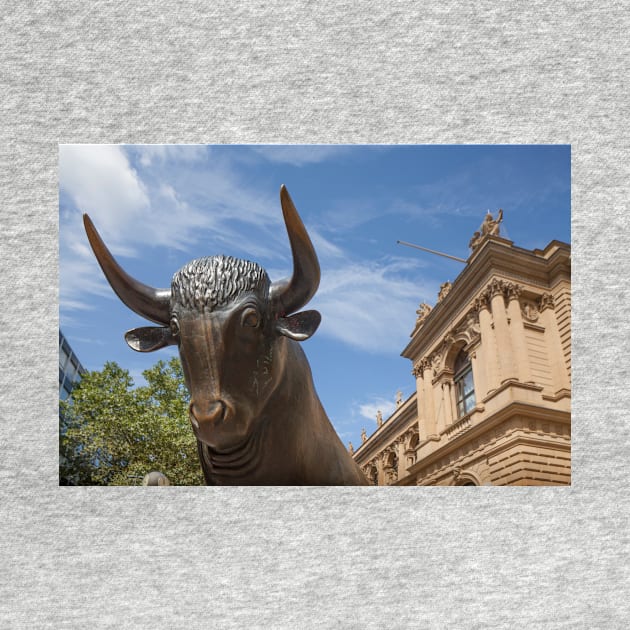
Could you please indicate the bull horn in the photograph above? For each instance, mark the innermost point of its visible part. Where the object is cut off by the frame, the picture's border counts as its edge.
(153, 304)
(290, 296)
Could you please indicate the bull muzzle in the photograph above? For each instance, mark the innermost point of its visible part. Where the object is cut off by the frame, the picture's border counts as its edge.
(210, 412)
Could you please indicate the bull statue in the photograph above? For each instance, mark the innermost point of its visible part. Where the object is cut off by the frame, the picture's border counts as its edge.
(253, 406)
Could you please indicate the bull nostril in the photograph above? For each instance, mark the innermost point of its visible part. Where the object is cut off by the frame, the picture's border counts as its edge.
(211, 412)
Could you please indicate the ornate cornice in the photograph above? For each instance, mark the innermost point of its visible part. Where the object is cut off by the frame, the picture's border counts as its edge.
(495, 258)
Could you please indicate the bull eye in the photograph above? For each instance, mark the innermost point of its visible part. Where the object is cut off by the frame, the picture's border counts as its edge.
(174, 327)
(250, 318)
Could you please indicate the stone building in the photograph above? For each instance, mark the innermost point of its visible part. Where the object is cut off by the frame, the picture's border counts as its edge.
(492, 363)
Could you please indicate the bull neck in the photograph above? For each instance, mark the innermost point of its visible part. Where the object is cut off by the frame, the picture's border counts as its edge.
(230, 465)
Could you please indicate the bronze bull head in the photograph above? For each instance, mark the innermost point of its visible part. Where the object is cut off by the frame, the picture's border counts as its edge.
(253, 409)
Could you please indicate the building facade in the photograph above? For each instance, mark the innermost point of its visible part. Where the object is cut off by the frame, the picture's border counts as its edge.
(70, 368)
(492, 363)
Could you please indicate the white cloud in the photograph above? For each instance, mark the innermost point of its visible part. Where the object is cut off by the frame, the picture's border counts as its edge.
(101, 182)
(299, 155)
(323, 246)
(171, 207)
(361, 303)
(151, 154)
(386, 406)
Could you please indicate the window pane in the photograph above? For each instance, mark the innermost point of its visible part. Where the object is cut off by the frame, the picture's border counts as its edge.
(470, 402)
(464, 385)
(467, 382)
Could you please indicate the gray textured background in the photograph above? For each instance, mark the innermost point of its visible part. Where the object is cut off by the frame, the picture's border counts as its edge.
(289, 72)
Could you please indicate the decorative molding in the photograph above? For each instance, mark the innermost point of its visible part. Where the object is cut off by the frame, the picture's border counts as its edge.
(529, 311)
(546, 301)
(534, 326)
(513, 290)
(496, 287)
(481, 302)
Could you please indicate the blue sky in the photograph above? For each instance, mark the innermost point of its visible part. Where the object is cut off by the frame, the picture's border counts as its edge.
(157, 207)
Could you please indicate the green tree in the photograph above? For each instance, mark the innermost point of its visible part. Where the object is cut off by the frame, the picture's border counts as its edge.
(115, 433)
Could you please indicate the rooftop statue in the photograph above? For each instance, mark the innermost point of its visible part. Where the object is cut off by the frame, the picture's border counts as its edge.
(489, 227)
(254, 409)
(423, 312)
(445, 289)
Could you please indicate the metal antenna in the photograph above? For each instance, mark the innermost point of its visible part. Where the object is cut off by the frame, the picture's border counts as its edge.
(432, 251)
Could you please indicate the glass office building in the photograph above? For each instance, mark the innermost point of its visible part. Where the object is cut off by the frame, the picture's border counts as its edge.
(70, 368)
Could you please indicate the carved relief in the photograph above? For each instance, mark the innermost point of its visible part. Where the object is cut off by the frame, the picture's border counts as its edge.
(436, 359)
(371, 473)
(390, 464)
(470, 326)
(546, 301)
(529, 311)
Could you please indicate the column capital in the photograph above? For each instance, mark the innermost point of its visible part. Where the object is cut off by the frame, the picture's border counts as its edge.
(513, 290)
(496, 287)
(482, 302)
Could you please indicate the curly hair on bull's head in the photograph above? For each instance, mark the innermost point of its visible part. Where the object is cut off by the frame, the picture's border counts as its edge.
(214, 281)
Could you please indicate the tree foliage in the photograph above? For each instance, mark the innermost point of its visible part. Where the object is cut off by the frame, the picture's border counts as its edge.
(114, 433)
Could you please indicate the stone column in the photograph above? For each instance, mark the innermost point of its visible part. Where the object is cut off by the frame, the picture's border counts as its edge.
(418, 373)
(380, 471)
(552, 338)
(430, 419)
(449, 401)
(501, 332)
(488, 347)
(445, 403)
(402, 460)
(478, 379)
(517, 334)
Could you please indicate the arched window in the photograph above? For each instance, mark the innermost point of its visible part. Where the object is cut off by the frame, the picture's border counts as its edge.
(464, 386)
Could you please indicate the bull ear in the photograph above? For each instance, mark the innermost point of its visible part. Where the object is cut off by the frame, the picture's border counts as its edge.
(299, 326)
(149, 338)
